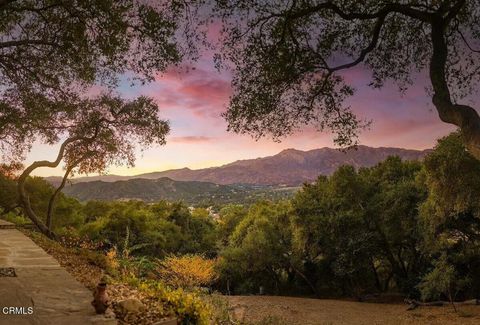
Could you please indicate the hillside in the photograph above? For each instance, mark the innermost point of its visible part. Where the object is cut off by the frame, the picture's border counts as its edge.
(191, 192)
(289, 167)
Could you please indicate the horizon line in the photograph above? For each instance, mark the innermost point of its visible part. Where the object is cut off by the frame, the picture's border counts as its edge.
(231, 162)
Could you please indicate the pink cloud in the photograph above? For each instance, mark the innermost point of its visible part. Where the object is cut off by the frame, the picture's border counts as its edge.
(203, 92)
(191, 139)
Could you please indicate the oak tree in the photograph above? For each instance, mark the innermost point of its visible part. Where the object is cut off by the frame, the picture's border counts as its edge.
(53, 53)
(96, 132)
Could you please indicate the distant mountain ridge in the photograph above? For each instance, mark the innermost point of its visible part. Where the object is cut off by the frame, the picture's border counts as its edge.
(150, 190)
(289, 167)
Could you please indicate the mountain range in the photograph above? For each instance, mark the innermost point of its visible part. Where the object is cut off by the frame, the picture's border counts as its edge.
(290, 167)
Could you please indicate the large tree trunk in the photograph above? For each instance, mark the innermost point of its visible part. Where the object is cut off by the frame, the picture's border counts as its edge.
(27, 208)
(463, 116)
(23, 198)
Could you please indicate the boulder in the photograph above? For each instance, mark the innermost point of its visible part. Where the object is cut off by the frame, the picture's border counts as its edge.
(131, 305)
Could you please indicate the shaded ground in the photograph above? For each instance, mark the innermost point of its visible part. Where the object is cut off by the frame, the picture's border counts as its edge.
(323, 311)
(40, 283)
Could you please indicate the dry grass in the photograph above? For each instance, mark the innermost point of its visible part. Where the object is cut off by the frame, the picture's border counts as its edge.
(323, 311)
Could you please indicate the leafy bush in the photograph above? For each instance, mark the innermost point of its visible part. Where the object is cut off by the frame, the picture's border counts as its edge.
(16, 219)
(442, 280)
(438, 281)
(189, 307)
(140, 229)
(186, 271)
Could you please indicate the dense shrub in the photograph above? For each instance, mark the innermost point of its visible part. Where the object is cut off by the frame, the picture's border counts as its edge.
(189, 307)
(187, 271)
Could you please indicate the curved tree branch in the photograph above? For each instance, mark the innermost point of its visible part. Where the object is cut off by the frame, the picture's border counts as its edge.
(371, 46)
(55, 194)
(23, 197)
(466, 42)
(463, 116)
(25, 42)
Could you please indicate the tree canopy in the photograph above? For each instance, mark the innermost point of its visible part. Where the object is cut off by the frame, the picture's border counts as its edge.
(289, 56)
(52, 51)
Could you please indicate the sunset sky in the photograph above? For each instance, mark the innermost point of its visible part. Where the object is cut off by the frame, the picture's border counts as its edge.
(193, 102)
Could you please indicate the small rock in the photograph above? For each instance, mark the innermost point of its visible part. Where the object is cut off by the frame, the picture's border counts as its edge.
(131, 305)
(109, 313)
(101, 320)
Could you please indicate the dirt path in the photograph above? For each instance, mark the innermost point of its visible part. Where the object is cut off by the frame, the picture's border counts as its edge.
(324, 311)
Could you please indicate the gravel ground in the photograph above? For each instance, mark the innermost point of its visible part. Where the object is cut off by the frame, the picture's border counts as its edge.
(323, 311)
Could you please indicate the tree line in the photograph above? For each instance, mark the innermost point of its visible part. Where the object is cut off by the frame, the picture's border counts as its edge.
(401, 226)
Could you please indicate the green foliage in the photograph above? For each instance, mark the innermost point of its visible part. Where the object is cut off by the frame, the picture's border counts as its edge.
(68, 210)
(189, 307)
(8, 193)
(451, 213)
(355, 232)
(438, 281)
(16, 219)
(230, 217)
(451, 175)
(410, 227)
(136, 228)
(358, 229)
(259, 249)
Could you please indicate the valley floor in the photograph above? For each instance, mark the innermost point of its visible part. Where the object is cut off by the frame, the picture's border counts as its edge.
(289, 310)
